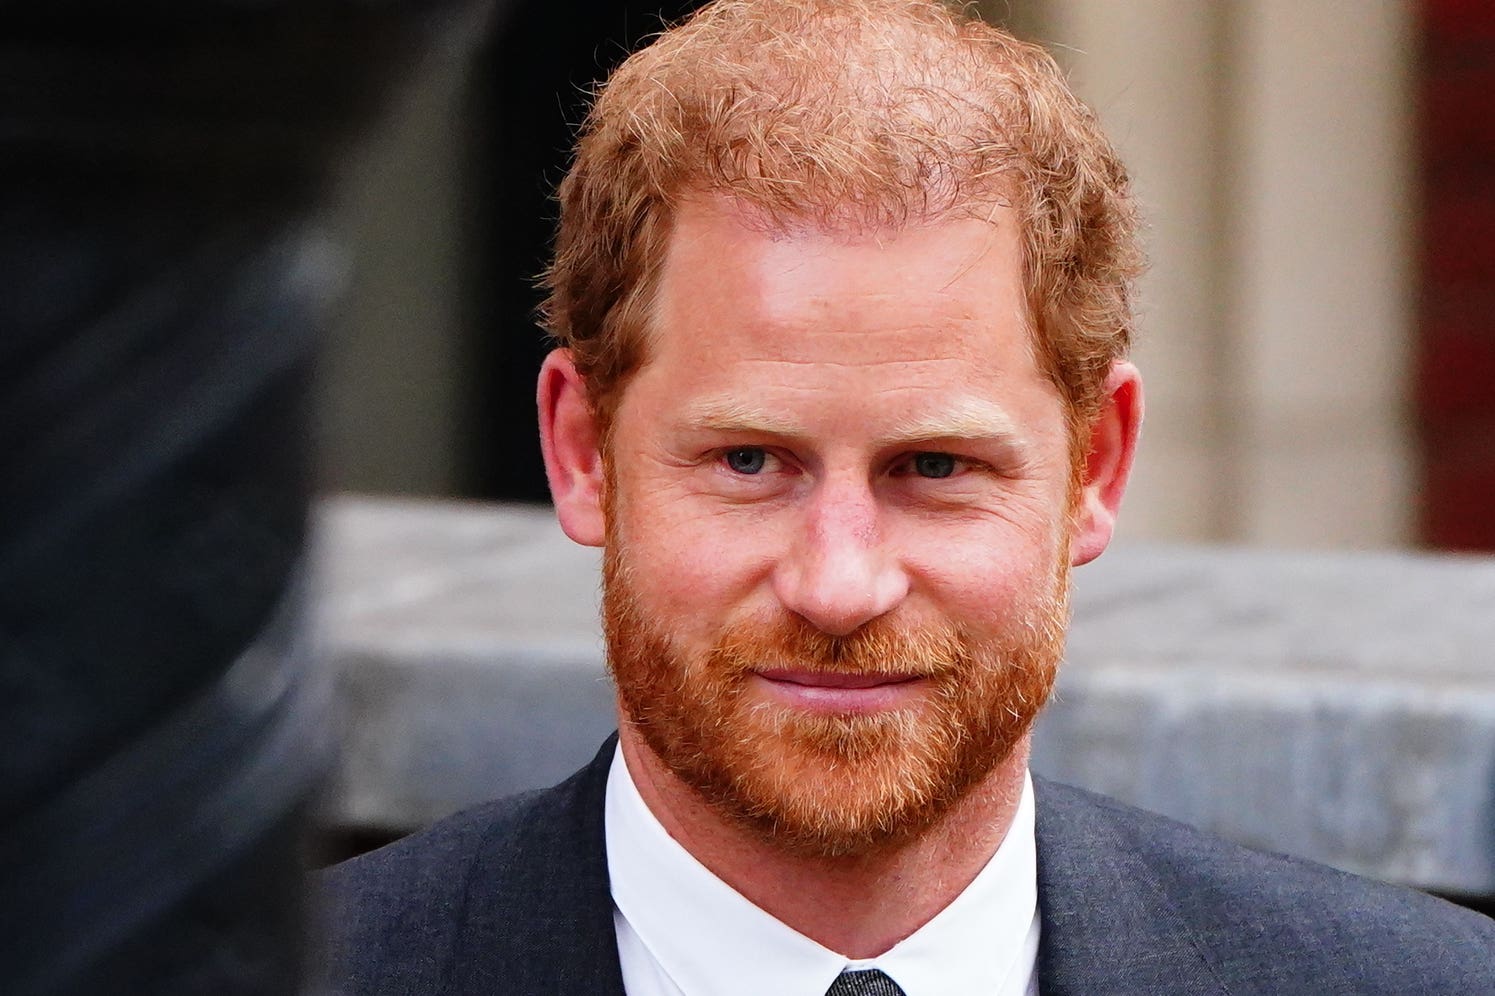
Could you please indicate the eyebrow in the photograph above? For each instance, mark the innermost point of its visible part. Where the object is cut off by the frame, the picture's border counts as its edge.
(963, 418)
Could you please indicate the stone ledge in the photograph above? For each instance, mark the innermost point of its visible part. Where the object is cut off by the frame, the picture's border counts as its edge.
(1336, 706)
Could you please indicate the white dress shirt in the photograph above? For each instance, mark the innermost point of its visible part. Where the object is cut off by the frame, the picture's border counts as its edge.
(684, 932)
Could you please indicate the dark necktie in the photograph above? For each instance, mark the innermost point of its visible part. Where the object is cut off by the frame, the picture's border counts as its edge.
(867, 982)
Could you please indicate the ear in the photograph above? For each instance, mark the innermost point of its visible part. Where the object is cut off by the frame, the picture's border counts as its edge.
(1113, 444)
(571, 442)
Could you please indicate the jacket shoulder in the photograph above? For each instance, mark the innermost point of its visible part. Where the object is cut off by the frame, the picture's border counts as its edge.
(511, 896)
(393, 912)
(1272, 923)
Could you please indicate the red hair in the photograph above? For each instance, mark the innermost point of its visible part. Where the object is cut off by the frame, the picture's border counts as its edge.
(845, 113)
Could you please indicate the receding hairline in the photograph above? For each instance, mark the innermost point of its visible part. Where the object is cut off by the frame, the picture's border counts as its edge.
(987, 204)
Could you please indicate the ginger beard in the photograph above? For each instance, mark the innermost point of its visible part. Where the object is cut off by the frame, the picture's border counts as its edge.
(829, 784)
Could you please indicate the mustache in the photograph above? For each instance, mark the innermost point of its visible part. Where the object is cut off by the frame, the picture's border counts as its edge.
(881, 646)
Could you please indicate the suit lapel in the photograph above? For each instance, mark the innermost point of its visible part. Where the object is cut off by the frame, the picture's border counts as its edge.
(538, 912)
(1108, 925)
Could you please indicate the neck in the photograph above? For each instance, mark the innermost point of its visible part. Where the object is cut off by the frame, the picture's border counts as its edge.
(860, 905)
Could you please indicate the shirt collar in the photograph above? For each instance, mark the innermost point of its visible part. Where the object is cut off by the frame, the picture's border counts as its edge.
(709, 939)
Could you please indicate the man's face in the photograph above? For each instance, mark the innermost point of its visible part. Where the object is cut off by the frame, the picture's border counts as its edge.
(837, 548)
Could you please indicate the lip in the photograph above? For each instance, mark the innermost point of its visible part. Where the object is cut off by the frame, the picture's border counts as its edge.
(836, 691)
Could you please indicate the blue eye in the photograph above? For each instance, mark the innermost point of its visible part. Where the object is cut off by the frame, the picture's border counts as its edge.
(934, 464)
(746, 459)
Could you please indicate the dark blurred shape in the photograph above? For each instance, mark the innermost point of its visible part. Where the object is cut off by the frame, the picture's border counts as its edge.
(538, 72)
(161, 285)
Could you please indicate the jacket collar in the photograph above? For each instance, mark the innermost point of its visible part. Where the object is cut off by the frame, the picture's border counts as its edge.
(1108, 924)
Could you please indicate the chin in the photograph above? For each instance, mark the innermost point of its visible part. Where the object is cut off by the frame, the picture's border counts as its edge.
(827, 784)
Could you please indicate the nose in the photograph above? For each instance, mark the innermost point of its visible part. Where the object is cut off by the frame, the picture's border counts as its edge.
(842, 572)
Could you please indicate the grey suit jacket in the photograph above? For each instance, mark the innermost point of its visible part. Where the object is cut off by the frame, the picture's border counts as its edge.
(512, 898)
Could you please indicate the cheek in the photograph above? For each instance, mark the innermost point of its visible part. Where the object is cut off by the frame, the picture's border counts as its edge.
(985, 578)
(694, 567)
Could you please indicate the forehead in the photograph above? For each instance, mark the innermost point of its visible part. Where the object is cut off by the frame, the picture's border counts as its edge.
(735, 283)
(841, 340)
